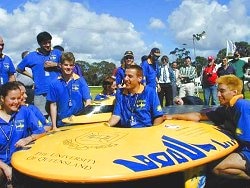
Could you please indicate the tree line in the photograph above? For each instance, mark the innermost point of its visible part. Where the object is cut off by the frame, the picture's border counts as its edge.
(95, 72)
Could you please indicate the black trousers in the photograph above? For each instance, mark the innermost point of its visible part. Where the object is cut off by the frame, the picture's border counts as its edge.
(167, 92)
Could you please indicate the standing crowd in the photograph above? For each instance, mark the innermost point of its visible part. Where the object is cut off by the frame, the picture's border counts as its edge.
(140, 90)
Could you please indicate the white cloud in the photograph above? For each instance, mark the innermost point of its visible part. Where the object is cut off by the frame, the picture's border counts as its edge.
(89, 35)
(155, 23)
(221, 22)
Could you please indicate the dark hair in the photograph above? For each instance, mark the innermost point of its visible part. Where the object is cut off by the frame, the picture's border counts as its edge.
(59, 48)
(9, 86)
(19, 83)
(144, 57)
(187, 57)
(23, 54)
(43, 36)
(108, 81)
(164, 58)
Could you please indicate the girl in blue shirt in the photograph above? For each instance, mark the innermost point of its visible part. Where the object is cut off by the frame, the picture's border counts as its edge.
(18, 127)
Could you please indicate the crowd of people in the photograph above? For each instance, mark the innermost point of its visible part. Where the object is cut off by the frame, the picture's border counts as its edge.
(60, 91)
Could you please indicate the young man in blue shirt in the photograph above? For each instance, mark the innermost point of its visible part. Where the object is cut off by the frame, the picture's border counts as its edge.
(136, 105)
(44, 65)
(233, 115)
(68, 94)
(7, 69)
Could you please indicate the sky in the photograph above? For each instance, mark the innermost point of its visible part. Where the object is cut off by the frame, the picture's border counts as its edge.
(96, 30)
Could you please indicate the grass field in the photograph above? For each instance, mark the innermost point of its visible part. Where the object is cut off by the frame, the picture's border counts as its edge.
(97, 89)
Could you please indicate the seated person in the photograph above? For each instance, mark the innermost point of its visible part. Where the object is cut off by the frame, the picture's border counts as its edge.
(109, 87)
(188, 100)
(136, 105)
(42, 120)
(18, 128)
(233, 115)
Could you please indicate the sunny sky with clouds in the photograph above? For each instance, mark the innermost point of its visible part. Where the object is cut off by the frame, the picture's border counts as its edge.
(98, 30)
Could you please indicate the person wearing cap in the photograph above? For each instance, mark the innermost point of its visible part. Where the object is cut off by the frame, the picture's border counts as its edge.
(44, 65)
(187, 76)
(208, 81)
(238, 65)
(7, 69)
(150, 67)
(127, 61)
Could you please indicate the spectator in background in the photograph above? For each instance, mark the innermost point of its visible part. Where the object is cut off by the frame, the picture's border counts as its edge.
(208, 81)
(127, 61)
(225, 68)
(109, 87)
(246, 70)
(166, 79)
(44, 65)
(187, 76)
(238, 65)
(59, 48)
(27, 81)
(150, 68)
(7, 69)
(68, 94)
(188, 100)
(177, 83)
(144, 58)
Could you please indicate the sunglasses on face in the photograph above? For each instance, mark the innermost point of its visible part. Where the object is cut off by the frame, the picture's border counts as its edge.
(129, 57)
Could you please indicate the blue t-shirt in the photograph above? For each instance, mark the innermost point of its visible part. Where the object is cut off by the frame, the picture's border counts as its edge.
(235, 119)
(42, 120)
(150, 72)
(102, 96)
(6, 69)
(42, 77)
(119, 75)
(69, 96)
(22, 124)
(138, 110)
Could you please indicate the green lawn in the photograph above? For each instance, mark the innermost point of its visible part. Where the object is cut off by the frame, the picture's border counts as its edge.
(95, 90)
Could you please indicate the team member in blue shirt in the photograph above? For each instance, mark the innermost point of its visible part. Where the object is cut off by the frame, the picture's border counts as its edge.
(150, 67)
(18, 127)
(68, 94)
(7, 68)
(232, 115)
(127, 60)
(42, 120)
(136, 105)
(109, 88)
(44, 65)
